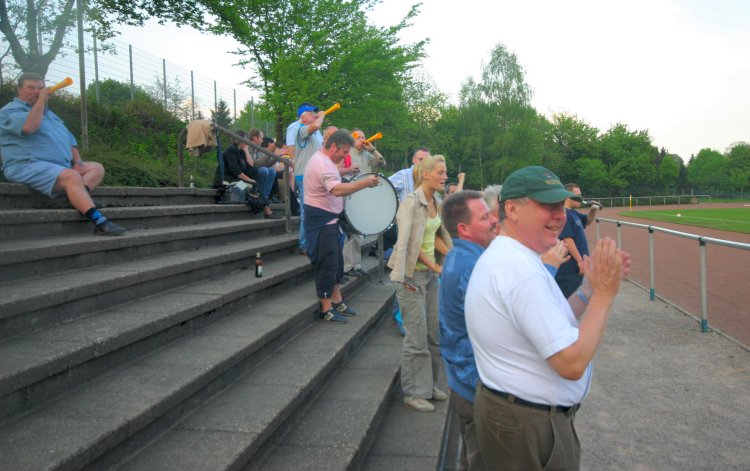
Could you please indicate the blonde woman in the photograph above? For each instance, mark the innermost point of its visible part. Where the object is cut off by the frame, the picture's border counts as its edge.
(416, 263)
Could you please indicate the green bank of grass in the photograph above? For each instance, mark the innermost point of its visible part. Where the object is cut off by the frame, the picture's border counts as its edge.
(725, 219)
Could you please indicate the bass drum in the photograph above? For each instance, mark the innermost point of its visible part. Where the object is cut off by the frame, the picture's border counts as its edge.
(371, 210)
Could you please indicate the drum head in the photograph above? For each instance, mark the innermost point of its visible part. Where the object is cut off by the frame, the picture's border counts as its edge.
(371, 210)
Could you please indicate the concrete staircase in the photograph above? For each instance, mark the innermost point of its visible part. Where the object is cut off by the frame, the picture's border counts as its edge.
(161, 350)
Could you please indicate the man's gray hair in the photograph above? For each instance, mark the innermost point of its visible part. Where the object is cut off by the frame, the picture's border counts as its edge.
(491, 195)
(29, 77)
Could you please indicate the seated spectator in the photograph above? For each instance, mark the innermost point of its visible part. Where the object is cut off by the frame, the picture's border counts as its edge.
(265, 174)
(237, 169)
(39, 151)
(270, 144)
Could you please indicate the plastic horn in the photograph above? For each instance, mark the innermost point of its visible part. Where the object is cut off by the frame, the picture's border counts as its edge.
(374, 137)
(62, 84)
(333, 108)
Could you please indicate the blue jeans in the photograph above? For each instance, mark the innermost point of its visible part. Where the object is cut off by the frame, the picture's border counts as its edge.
(266, 177)
(301, 192)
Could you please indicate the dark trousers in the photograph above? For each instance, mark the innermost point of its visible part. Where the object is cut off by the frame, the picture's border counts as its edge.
(517, 437)
(569, 284)
(329, 265)
(471, 460)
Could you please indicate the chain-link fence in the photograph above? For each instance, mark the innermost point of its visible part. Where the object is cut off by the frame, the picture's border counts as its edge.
(186, 93)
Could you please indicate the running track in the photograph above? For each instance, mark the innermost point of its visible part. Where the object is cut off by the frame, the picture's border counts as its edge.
(677, 268)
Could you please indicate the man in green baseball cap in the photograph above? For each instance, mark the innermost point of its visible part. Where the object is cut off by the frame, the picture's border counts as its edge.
(533, 348)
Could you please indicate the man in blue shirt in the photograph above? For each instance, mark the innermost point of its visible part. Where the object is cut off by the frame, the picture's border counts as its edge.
(39, 151)
(570, 274)
(472, 226)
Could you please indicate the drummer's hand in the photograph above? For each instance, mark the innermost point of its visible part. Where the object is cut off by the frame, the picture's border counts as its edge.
(372, 181)
(354, 168)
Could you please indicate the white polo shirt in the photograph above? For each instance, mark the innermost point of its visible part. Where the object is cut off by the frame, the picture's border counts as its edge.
(517, 317)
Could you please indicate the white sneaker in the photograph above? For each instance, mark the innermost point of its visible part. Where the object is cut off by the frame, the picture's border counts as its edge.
(438, 395)
(422, 405)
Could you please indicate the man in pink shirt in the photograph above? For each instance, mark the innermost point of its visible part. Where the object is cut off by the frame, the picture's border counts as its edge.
(323, 202)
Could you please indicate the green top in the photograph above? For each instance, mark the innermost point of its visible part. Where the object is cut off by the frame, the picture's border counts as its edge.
(428, 241)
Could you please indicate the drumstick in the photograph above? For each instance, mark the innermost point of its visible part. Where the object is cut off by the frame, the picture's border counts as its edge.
(374, 137)
(62, 84)
(333, 108)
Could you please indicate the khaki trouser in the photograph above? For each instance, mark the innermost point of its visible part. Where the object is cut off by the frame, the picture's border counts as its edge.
(420, 355)
(353, 252)
(517, 437)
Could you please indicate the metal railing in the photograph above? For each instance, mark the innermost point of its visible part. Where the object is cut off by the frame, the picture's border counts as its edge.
(702, 242)
(182, 140)
(624, 201)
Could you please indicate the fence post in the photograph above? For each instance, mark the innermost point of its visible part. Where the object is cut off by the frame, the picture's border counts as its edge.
(652, 273)
(619, 235)
(704, 301)
(192, 96)
(82, 72)
(96, 69)
(597, 228)
(130, 59)
(164, 79)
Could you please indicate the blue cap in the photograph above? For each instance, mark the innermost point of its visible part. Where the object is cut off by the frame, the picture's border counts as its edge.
(306, 107)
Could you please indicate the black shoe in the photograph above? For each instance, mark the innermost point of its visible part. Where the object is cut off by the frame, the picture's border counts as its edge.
(361, 272)
(342, 308)
(108, 228)
(332, 316)
(275, 200)
(352, 272)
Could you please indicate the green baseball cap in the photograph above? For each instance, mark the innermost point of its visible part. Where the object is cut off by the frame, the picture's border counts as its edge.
(537, 183)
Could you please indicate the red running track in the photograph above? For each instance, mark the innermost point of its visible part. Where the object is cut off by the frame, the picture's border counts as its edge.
(677, 268)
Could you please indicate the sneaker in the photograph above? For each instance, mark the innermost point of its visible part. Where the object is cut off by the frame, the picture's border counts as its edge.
(344, 309)
(438, 395)
(352, 272)
(422, 405)
(332, 316)
(108, 228)
(361, 272)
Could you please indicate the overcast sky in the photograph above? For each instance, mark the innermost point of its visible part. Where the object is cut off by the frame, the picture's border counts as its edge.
(677, 68)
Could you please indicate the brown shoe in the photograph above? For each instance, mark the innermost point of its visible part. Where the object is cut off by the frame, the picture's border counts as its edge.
(422, 405)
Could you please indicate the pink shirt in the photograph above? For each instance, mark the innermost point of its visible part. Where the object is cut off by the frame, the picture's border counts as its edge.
(321, 176)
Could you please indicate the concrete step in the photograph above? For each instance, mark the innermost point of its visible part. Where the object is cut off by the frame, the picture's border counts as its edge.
(107, 419)
(20, 196)
(39, 365)
(232, 429)
(409, 440)
(24, 258)
(337, 428)
(35, 303)
(40, 223)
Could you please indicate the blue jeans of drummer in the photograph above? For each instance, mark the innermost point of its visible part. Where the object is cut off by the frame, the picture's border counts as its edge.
(301, 192)
(420, 354)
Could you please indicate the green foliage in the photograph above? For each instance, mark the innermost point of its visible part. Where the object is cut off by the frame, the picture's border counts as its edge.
(708, 170)
(222, 115)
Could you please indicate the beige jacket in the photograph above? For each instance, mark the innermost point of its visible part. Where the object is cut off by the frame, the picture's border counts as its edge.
(411, 218)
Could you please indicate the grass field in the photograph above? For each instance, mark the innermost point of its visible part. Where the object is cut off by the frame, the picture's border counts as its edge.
(725, 219)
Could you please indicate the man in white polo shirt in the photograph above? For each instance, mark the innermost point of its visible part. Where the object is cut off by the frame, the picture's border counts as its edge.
(533, 348)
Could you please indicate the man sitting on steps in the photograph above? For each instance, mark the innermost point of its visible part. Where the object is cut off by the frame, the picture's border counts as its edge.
(39, 151)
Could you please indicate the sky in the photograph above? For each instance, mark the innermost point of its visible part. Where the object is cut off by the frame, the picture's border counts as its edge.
(679, 69)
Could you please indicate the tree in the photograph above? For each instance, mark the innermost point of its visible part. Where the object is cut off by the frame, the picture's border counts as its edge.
(573, 139)
(707, 170)
(592, 175)
(323, 52)
(668, 172)
(221, 114)
(24, 23)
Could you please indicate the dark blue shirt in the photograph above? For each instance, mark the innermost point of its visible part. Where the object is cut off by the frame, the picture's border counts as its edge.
(575, 228)
(455, 348)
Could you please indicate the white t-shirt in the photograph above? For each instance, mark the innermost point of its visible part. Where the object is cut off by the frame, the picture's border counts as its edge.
(517, 317)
